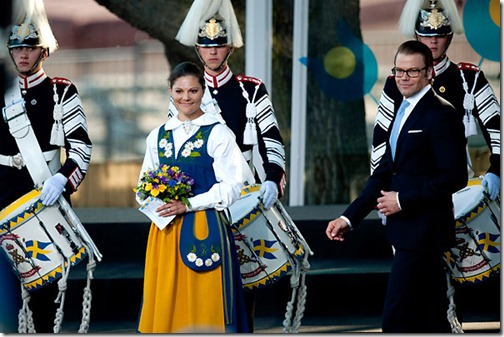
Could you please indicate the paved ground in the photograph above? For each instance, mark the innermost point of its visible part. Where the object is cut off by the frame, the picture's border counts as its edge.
(341, 324)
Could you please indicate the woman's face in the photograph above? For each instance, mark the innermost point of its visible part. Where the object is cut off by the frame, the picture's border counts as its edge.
(187, 94)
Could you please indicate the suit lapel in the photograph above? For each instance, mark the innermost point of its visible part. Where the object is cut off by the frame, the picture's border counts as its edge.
(412, 118)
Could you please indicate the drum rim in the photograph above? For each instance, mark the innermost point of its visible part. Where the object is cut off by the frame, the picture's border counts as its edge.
(57, 272)
(28, 197)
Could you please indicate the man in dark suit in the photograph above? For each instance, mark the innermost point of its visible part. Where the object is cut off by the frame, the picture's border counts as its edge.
(413, 185)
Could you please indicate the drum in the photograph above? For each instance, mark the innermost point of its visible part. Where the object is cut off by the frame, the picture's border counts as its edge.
(268, 243)
(38, 241)
(476, 256)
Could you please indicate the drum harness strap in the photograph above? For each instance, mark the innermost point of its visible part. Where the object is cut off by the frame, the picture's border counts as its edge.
(14, 113)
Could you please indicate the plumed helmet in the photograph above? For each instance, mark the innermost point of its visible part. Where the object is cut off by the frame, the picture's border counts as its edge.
(430, 18)
(24, 35)
(31, 28)
(213, 33)
(210, 23)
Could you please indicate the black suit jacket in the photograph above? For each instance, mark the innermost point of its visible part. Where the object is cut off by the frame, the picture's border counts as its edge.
(429, 166)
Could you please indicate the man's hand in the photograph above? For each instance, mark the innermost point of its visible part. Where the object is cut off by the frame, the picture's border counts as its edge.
(491, 182)
(269, 192)
(387, 203)
(336, 229)
(52, 189)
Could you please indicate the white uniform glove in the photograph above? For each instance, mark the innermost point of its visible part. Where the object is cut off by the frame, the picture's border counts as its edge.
(269, 192)
(52, 189)
(491, 182)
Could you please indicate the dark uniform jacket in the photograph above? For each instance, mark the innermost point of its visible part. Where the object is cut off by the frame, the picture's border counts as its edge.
(38, 93)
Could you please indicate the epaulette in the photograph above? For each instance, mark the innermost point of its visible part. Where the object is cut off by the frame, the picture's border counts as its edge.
(467, 66)
(60, 80)
(243, 78)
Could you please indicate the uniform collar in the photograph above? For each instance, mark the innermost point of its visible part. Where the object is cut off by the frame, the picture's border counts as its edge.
(27, 82)
(219, 80)
(441, 66)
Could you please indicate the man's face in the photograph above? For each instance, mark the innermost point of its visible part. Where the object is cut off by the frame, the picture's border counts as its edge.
(406, 84)
(213, 57)
(25, 58)
(437, 44)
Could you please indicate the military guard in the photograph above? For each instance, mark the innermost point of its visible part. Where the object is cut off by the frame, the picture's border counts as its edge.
(57, 118)
(242, 101)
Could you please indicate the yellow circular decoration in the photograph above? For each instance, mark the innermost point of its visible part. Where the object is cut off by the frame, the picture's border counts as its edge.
(339, 62)
(442, 89)
(494, 9)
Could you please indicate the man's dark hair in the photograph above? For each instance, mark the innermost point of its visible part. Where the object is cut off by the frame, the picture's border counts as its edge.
(416, 47)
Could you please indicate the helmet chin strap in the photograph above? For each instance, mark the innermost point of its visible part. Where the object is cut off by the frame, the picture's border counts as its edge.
(220, 66)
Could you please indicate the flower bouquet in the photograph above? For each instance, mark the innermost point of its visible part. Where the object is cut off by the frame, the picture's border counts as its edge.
(160, 185)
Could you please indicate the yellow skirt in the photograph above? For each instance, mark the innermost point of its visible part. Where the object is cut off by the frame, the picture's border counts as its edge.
(177, 299)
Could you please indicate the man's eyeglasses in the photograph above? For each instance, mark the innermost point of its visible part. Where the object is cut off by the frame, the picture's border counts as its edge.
(414, 72)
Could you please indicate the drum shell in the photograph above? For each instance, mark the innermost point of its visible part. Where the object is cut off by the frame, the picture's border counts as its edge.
(275, 241)
(476, 256)
(38, 241)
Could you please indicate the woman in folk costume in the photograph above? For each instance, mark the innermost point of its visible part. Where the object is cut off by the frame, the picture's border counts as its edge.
(179, 294)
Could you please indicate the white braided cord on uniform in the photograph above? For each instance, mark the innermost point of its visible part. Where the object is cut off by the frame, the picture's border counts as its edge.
(451, 314)
(469, 123)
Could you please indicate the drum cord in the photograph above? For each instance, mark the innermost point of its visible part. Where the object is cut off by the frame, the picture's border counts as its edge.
(65, 271)
(62, 287)
(451, 313)
(494, 218)
(87, 296)
(291, 325)
(62, 282)
(25, 315)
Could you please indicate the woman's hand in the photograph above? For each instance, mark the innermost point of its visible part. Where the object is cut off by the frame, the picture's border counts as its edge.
(172, 207)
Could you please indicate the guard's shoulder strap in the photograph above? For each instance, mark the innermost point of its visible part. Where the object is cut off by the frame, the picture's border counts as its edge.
(467, 66)
(60, 80)
(243, 78)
